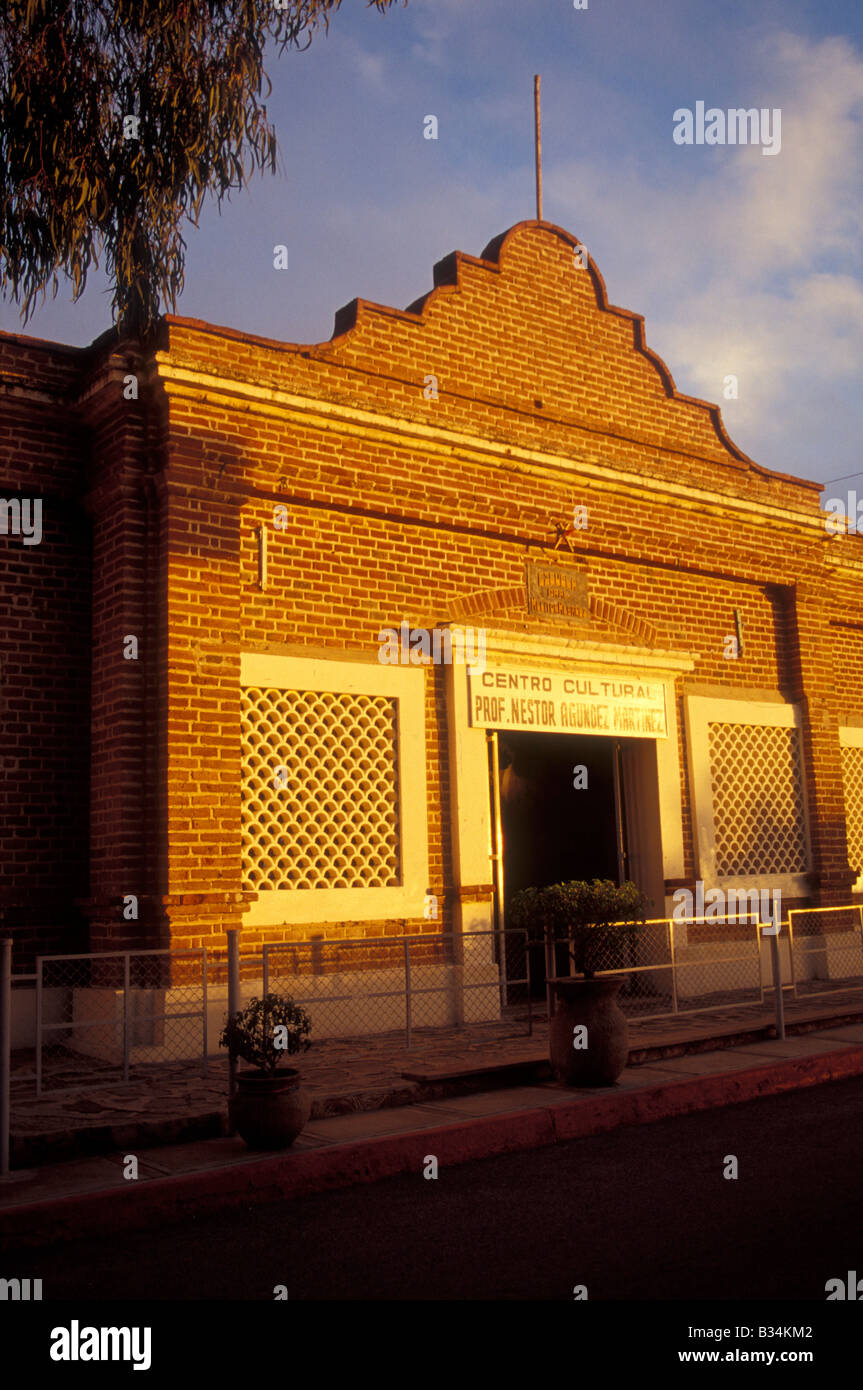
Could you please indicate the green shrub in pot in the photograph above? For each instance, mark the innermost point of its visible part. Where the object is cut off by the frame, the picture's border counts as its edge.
(266, 1031)
(588, 1034)
(594, 917)
(270, 1107)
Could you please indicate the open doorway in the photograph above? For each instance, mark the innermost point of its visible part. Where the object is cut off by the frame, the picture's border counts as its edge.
(551, 829)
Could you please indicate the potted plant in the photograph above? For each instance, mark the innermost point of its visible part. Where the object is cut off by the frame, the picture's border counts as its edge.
(270, 1107)
(588, 1035)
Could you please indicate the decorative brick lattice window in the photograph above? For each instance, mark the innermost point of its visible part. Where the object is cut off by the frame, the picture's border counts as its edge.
(758, 817)
(320, 804)
(852, 778)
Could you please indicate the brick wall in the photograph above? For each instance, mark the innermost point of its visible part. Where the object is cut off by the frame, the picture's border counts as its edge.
(403, 508)
(44, 655)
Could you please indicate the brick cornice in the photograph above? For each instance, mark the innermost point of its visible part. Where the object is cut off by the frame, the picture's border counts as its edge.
(208, 389)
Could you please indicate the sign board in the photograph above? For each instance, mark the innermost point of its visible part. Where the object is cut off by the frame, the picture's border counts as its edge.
(555, 591)
(567, 702)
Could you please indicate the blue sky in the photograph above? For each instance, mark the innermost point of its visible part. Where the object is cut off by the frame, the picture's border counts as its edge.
(741, 263)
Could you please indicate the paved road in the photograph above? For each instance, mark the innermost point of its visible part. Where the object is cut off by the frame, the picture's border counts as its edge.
(641, 1213)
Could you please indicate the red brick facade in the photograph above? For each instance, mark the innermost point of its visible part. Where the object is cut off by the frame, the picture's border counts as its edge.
(123, 776)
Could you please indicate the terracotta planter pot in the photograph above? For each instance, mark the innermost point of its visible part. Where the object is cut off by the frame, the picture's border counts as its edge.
(593, 1005)
(268, 1112)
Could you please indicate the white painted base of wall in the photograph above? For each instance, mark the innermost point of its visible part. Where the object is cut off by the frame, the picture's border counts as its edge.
(359, 1003)
(348, 1004)
(55, 1008)
(697, 984)
(842, 960)
(700, 974)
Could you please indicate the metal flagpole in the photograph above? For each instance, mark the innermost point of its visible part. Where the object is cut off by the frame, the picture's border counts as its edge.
(538, 143)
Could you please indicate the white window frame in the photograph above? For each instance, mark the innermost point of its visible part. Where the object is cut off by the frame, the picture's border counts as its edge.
(851, 738)
(701, 711)
(290, 906)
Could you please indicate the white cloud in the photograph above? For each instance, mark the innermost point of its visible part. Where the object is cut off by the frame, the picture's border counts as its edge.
(751, 265)
(370, 67)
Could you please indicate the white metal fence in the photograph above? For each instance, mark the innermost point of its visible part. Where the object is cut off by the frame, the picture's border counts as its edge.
(826, 949)
(386, 984)
(111, 1011)
(100, 1018)
(672, 966)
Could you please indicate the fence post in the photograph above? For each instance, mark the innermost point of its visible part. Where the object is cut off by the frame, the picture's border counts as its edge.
(5, 1052)
(791, 964)
(457, 956)
(39, 973)
(407, 947)
(127, 962)
(204, 1001)
(233, 1002)
(674, 1004)
(777, 971)
(550, 970)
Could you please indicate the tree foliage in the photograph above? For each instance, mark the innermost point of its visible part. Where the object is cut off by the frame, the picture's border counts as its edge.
(75, 184)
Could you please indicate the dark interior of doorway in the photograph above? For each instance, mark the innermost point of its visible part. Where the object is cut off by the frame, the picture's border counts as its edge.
(553, 831)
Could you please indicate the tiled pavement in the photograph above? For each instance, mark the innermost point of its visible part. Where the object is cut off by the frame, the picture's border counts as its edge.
(175, 1102)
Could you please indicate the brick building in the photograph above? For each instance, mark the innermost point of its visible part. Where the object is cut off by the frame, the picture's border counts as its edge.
(196, 710)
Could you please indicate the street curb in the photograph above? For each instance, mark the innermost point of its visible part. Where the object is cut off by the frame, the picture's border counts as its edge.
(55, 1146)
(58, 1145)
(265, 1180)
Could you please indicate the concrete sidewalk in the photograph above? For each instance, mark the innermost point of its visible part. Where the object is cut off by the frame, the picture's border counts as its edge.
(92, 1197)
(173, 1103)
